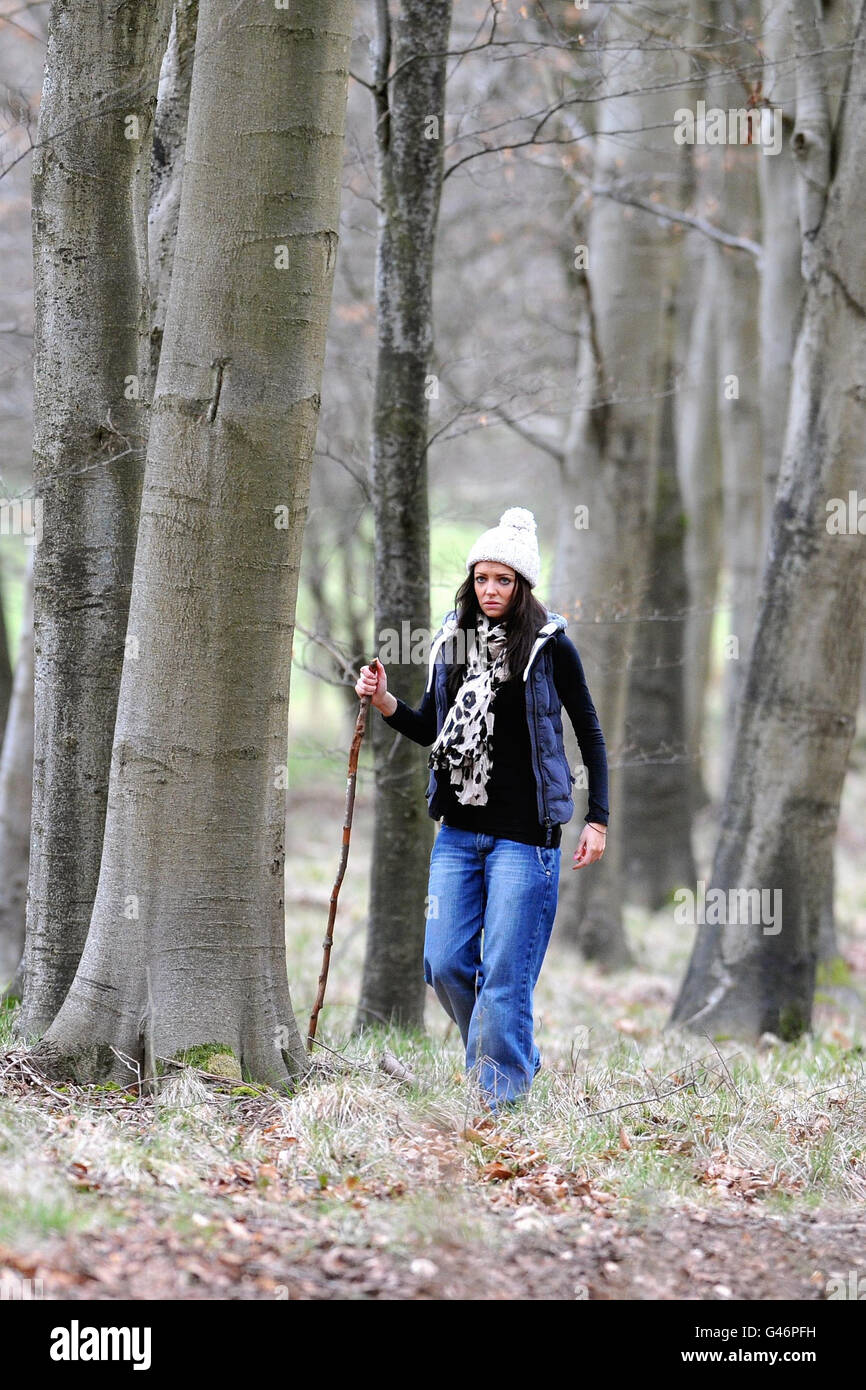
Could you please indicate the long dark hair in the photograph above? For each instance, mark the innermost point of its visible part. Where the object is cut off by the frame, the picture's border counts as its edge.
(524, 617)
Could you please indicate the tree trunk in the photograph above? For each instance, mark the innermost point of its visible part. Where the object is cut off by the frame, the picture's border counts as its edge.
(6, 677)
(187, 942)
(798, 714)
(781, 293)
(611, 452)
(16, 778)
(169, 144)
(737, 352)
(700, 478)
(657, 818)
(91, 170)
(410, 103)
(737, 295)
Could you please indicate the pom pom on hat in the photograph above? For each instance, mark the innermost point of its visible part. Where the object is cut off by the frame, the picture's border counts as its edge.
(519, 518)
(513, 542)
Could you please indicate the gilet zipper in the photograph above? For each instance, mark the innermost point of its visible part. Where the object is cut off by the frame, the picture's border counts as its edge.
(547, 822)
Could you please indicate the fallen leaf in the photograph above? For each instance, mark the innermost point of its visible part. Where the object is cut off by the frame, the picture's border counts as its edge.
(496, 1172)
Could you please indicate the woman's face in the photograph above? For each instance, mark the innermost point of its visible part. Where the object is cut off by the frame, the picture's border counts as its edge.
(495, 587)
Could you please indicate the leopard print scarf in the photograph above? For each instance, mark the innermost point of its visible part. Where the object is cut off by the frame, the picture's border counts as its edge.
(464, 744)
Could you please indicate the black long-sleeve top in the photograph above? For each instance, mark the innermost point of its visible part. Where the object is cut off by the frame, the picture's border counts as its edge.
(511, 811)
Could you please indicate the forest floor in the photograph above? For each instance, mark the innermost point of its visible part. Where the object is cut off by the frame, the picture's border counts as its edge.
(362, 1187)
(645, 1164)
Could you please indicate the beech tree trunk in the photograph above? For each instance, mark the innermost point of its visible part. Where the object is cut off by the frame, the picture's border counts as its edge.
(410, 115)
(187, 941)
(16, 779)
(797, 717)
(737, 296)
(657, 820)
(700, 478)
(169, 144)
(91, 171)
(782, 287)
(611, 452)
(6, 677)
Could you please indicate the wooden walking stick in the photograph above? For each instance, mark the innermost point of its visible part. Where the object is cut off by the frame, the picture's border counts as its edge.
(360, 726)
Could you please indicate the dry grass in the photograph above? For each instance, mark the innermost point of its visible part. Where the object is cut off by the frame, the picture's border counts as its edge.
(627, 1120)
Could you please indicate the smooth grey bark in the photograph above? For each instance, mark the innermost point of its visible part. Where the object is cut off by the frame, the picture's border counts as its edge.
(6, 677)
(409, 79)
(611, 452)
(91, 392)
(657, 773)
(797, 717)
(736, 294)
(699, 462)
(781, 284)
(169, 142)
(187, 941)
(657, 812)
(16, 779)
(700, 479)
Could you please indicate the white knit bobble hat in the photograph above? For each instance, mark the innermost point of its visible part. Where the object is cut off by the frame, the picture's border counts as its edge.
(512, 542)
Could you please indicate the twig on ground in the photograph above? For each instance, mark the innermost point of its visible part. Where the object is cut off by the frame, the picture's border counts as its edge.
(649, 1100)
(394, 1067)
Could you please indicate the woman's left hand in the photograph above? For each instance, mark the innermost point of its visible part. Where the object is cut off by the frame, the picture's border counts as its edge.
(590, 846)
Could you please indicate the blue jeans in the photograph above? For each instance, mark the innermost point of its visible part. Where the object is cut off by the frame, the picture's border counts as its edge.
(509, 890)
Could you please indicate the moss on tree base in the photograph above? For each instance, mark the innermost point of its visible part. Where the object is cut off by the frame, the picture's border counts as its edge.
(216, 1058)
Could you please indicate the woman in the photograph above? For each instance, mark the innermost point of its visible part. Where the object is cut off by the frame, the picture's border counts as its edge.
(501, 667)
